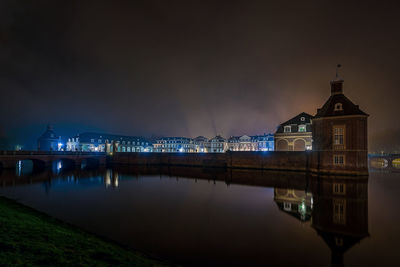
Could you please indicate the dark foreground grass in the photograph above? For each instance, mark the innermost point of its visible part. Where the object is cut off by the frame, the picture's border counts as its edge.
(31, 238)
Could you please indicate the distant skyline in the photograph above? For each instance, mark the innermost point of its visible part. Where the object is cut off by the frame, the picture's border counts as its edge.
(189, 68)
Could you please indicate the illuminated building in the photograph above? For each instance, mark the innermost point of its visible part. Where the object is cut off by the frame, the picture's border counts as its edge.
(295, 134)
(218, 144)
(174, 144)
(49, 141)
(201, 144)
(264, 142)
(340, 135)
(241, 143)
(98, 142)
(251, 143)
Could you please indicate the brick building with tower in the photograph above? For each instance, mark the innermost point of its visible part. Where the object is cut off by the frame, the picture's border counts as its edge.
(340, 135)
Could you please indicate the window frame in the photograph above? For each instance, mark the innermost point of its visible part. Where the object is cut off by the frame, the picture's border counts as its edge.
(336, 160)
(337, 131)
(302, 126)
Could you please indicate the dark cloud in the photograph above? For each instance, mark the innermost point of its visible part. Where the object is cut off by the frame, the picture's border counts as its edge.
(192, 67)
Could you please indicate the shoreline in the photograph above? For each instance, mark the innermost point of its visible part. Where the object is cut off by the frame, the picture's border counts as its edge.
(31, 237)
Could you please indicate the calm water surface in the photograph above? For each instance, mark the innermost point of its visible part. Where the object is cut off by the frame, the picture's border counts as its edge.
(215, 217)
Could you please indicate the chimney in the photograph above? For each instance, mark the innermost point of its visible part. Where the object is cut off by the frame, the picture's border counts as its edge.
(337, 83)
(337, 87)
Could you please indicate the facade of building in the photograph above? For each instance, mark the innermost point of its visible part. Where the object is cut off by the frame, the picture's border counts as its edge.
(98, 142)
(174, 144)
(251, 143)
(49, 141)
(241, 143)
(218, 144)
(295, 134)
(265, 142)
(201, 144)
(340, 135)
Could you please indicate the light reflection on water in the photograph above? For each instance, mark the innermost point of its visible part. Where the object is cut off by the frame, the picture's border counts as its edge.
(212, 217)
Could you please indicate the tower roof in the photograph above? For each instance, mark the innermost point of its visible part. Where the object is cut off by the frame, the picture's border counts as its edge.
(339, 105)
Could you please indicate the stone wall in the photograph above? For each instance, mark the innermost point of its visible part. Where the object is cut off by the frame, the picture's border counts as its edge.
(278, 160)
(272, 160)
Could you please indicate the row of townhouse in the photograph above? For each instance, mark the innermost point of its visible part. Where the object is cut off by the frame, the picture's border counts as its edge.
(292, 135)
(217, 144)
(98, 142)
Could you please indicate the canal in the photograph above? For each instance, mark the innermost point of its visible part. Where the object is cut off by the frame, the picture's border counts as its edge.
(195, 216)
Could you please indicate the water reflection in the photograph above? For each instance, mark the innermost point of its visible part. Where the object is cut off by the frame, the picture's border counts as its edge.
(335, 208)
(296, 203)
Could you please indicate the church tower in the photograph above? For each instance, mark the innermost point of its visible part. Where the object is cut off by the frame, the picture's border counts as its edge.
(340, 135)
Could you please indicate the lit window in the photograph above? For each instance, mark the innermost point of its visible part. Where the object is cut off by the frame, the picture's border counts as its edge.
(91, 140)
(338, 135)
(338, 160)
(302, 128)
(287, 129)
(338, 106)
(99, 141)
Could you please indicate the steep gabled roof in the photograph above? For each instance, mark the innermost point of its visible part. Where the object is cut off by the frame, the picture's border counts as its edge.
(295, 122)
(348, 107)
(297, 119)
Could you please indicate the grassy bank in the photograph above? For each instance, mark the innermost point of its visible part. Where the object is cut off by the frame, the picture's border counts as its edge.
(28, 237)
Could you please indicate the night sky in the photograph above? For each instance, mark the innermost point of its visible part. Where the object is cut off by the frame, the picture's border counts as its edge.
(189, 68)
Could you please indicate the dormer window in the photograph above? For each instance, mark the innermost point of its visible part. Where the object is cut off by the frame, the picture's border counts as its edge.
(338, 106)
(302, 128)
(287, 129)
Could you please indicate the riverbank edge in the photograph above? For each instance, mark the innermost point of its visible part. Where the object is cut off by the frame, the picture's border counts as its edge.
(30, 237)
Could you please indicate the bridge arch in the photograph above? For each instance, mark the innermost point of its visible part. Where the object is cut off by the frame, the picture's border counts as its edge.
(379, 163)
(88, 163)
(62, 164)
(396, 163)
(27, 165)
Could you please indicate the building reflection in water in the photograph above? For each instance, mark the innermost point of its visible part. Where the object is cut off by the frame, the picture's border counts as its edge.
(297, 203)
(111, 178)
(337, 207)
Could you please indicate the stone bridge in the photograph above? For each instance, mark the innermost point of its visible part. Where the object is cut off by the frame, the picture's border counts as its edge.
(384, 161)
(43, 159)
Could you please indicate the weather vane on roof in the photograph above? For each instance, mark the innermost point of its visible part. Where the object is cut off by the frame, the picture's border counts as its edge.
(337, 70)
